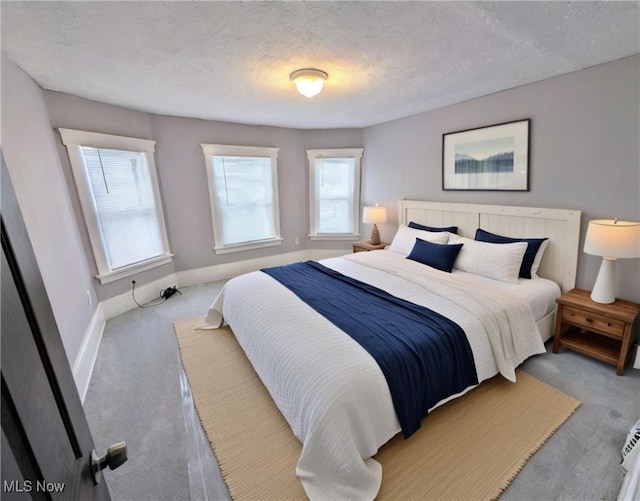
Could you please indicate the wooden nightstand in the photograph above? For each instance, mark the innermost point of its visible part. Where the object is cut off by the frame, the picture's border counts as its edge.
(366, 246)
(602, 331)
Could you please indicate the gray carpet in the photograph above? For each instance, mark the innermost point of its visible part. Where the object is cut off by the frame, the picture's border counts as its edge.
(137, 393)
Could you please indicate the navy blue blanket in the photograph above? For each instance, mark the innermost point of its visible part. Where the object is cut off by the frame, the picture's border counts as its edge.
(424, 356)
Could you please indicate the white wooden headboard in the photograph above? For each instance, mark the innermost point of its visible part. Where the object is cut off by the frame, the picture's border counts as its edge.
(561, 226)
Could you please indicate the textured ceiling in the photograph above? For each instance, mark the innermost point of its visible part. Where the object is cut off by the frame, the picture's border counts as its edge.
(231, 61)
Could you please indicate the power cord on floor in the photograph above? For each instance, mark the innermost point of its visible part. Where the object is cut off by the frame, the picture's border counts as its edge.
(164, 295)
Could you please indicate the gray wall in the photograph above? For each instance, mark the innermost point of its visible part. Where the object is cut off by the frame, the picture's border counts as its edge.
(66, 111)
(183, 180)
(184, 184)
(585, 153)
(29, 148)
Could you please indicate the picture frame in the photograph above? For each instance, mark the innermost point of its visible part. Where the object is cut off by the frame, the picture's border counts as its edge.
(491, 158)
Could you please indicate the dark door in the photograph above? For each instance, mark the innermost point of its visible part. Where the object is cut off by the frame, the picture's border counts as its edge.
(46, 442)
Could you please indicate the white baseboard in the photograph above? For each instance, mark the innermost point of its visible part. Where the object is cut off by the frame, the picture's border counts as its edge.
(86, 359)
(229, 270)
(107, 309)
(317, 254)
(122, 303)
(114, 306)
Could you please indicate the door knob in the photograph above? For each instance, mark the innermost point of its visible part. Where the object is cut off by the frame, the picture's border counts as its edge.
(115, 456)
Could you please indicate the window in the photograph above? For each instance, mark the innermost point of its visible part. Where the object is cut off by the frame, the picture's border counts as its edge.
(118, 189)
(243, 188)
(334, 193)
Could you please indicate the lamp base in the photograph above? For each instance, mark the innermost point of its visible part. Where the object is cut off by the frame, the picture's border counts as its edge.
(604, 290)
(375, 236)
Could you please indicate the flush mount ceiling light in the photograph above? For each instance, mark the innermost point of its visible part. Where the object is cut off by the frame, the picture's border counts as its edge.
(309, 81)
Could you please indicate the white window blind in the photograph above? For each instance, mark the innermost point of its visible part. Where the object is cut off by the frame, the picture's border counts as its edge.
(334, 190)
(244, 196)
(120, 198)
(334, 195)
(125, 205)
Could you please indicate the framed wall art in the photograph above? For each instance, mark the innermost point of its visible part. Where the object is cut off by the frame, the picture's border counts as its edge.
(487, 158)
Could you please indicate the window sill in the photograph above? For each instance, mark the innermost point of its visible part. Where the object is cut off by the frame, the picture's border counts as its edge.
(112, 276)
(247, 246)
(351, 237)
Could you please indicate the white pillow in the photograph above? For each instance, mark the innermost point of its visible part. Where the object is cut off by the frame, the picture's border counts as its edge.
(498, 261)
(538, 259)
(405, 239)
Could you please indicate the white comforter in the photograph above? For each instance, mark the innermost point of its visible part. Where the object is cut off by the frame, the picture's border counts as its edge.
(331, 391)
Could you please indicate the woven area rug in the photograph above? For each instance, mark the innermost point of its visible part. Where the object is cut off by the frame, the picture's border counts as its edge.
(470, 448)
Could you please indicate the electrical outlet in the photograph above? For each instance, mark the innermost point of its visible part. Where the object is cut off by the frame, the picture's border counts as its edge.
(169, 291)
(297, 240)
(89, 298)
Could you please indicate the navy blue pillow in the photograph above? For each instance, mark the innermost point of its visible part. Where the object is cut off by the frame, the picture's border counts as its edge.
(450, 229)
(439, 256)
(533, 245)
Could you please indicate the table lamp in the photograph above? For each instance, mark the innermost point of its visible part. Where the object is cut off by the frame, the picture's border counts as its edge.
(373, 215)
(611, 239)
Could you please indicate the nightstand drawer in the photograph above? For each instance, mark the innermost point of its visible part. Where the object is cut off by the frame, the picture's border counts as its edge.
(593, 321)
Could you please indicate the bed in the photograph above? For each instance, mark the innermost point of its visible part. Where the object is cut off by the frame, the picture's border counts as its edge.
(334, 393)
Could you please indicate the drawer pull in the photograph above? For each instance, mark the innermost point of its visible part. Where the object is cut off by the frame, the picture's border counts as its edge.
(589, 320)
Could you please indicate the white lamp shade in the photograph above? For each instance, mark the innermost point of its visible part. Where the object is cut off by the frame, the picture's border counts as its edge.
(612, 238)
(373, 215)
